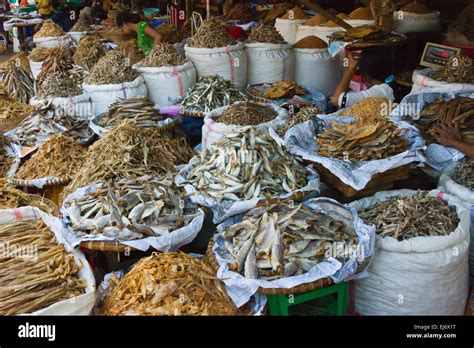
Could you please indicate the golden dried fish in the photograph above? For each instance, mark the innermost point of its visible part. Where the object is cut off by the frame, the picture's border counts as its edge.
(88, 52)
(18, 82)
(305, 114)
(265, 34)
(81, 25)
(59, 156)
(284, 89)
(44, 276)
(404, 217)
(40, 54)
(247, 113)
(211, 34)
(168, 284)
(163, 54)
(49, 29)
(59, 62)
(464, 174)
(459, 69)
(112, 68)
(10, 108)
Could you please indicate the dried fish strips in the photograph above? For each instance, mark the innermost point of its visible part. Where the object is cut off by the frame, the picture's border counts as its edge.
(140, 109)
(265, 34)
(131, 51)
(168, 284)
(88, 52)
(285, 240)
(284, 89)
(369, 109)
(59, 62)
(112, 68)
(59, 157)
(81, 26)
(169, 34)
(130, 209)
(209, 93)
(10, 108)
(361, 140)
(49, 29)
(18, 82)
(459, 69)
(40, 54)
(247, 113)
(129, 151)
(464, 174)
(211, 34)
(459, 110)
(163, 54)
(58, 86)
(305, 114)
(404, 217)
(34, 282)
(247, 165)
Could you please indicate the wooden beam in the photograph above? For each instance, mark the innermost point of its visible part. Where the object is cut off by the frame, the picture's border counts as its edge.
(313, 6)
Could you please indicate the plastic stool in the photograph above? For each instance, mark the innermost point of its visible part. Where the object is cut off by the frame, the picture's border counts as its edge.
(279, 304)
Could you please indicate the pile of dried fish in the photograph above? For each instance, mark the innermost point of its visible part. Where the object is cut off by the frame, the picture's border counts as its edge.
(111, 69)
(459, 110)
(209, 93)
(11, 197)
(369, 108)
(114, 34)
(266, 34)
(168, 284)
(130, 151)
(18, 82)
(10, 108)
(211, 34)
(305, 114)
(459, 69)
(163, 55)
(81, 25)
(247, 165)
(37, 128)
(88, 52)
(248, 113)
(285, 240)
(130, 209)
(59, 156)
(284, 89)
(49, 29)
(5, 161)
(131, 51)
(58, 85)
(140, 109)
(361, 140)
(59, 62)
(464, 174)
(169, 34)
(40, 54)
(44, 274)
(406, 217)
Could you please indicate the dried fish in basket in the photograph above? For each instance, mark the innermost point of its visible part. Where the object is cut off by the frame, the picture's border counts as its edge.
(130, 209)
(169, 34)
(112, 68)
(46, 274)
(129, 151)
(464, 174)
(59, 62)
(81, 26)
(247, 113)
(409, 216)
(209, 93)
(131, 51)
(168, 284)
(58, 157)
(459, 69)
(57, 85)
(246, 165)
(18, 82)
(265, 34)
(88, 52)
(163, 54)
(305, 114)
(40, 54)
(49, 29)
(288, 239)
(211, 34)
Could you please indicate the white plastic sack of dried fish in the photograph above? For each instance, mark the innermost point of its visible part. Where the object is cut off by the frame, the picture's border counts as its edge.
(407, 22)
(230, 62)
(104, 95)
(288, 28)
(79, 106)
(35, 68)
(213, 130)
(51, 42)
(166, 84)
(79, 305)
(295, 243)
(316, 68)
(424, 275)
(268, 63)
(421, 81)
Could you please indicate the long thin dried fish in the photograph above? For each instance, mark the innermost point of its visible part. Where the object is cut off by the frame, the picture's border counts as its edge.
(112, 68)
(163, 55)
(18, 82)
(211, 34)
(88, 52)
(58, 85)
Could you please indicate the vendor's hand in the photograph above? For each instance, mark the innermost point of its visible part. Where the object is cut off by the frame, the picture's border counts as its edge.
(448, 134)
(353, 63)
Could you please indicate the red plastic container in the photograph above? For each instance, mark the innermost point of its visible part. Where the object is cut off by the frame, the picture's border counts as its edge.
(467, 51)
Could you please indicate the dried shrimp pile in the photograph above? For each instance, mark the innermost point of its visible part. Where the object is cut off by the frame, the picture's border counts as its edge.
(247, 113)
(211, 34)
(266, 34)
(163, 54)
(49, 29)
(112, 68)
(88, 52)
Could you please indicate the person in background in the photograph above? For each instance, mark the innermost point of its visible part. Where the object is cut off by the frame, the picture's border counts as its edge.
(60, 15)
(44, 7)
(450, 136)
(375, 65)
(147, 37)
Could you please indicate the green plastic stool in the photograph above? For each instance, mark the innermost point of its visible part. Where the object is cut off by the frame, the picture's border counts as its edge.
(278, 305)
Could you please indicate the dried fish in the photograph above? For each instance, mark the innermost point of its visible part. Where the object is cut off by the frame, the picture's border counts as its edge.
(18, 82)
(404, 217)
(131, 51)
(169, 34)
(286, 239)
(41, 277)
(284, 89)
(459, 69)
(305, 114)
(241, 11)
(369, 108)
(247, 113)
(5, 160)
(10, 108)
(112, 68)
(209, 93)
(130, 209)
(247, 165)
(168, 284)
(163, 55)
(40, 54)
(265, 34)
(81, 25)
(88, 52)
(464, 174)
(59, 62)
(49, 29)
(58, 85)
(59, 156)
(211, 34)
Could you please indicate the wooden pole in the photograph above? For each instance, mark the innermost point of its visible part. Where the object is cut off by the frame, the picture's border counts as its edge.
(313, 6)
(208, 9)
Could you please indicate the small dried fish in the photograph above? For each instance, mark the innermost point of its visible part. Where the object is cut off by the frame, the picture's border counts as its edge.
(40, 54)
(168, 284)
(57, 85)
(211, 34)
(88, 52)
(404, 217)
(305, 114)
(464, 174)
(209, 93)
(265, 34)
(81, 25)
(459, 69)
(131, 51)
(112, 68)
(169, 33)
(59, 62)
(18, 82)
(49, 29)
(247, 113)
(10, 108)
(163, 55)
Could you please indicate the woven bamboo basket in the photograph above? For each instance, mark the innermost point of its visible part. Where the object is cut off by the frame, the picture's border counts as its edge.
(52, 189)
(195, 114)
(106, 246)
